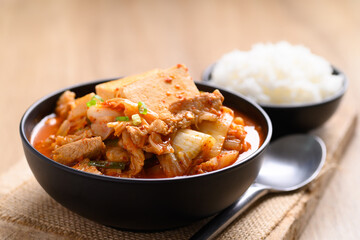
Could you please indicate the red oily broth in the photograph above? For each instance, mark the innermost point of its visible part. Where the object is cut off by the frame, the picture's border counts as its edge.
(255, 134)
(46, 127)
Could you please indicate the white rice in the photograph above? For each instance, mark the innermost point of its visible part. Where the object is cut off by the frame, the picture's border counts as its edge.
(277, 74)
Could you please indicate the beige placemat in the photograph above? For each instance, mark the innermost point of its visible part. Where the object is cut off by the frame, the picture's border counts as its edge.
(29, 205)
(27, 212)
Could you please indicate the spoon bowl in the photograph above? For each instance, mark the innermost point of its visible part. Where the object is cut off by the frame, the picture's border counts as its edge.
(290, 163)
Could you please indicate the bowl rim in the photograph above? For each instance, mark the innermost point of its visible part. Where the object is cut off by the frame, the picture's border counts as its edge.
(231, 167)
(206, 77)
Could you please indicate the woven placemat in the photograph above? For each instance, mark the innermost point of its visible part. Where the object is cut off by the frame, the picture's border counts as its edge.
(30, 206)
(28, 212)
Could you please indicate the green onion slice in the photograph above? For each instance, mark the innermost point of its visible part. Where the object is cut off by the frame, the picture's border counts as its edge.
(94, 100)
(142, 108)
(122, 118)
(136, 119)
(106, 164)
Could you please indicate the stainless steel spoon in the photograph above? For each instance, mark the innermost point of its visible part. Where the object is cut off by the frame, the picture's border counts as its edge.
(289, 163)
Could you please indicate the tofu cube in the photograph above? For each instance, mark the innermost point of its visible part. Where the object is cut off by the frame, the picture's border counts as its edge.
(158, 89)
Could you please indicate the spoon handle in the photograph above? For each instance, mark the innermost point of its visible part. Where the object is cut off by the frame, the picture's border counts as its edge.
(224, 218)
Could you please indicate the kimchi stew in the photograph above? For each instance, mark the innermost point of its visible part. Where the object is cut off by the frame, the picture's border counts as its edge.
(151, 125)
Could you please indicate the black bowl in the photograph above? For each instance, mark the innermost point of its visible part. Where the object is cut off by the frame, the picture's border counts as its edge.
(299, 118)
(142, 204)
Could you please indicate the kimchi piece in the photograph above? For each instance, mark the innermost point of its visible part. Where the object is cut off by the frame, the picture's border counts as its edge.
(151, 125)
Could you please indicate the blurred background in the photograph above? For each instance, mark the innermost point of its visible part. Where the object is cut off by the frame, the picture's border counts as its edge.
(46, 45)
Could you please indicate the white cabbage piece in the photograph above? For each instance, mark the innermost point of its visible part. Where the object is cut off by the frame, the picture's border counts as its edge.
(187, 144)
(170, 165)
(218, 129)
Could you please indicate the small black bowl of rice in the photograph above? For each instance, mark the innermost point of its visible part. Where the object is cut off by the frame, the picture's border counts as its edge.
(299, 90)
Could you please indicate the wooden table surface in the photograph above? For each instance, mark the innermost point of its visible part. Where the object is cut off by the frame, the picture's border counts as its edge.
(47, 45)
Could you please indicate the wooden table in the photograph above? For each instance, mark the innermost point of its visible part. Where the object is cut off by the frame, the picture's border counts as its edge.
(47, 45)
